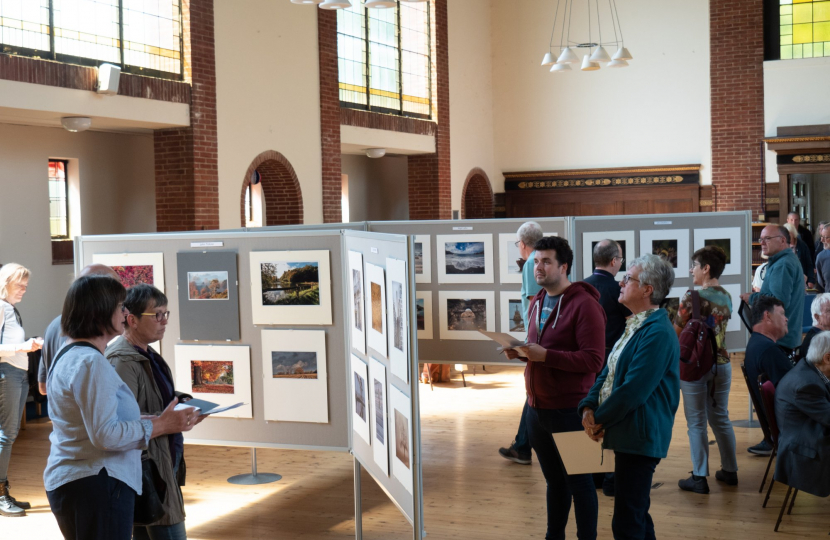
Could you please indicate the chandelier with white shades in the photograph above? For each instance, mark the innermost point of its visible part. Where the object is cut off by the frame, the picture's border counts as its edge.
(595, 15)
(343, 4)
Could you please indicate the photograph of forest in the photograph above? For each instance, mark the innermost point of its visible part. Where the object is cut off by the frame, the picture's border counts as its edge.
(207, 285)
(211, 376)
(293, 365)
(290, 283)
(135, 275)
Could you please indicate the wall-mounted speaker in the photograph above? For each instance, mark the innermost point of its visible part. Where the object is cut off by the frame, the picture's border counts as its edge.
(108, 77)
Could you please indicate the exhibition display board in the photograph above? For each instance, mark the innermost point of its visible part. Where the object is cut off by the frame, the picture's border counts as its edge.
(265, 317)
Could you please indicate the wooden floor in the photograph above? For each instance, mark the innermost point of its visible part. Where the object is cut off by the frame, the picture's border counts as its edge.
(470, 492)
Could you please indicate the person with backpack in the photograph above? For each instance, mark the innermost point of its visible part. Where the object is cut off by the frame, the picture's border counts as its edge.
(705, 371)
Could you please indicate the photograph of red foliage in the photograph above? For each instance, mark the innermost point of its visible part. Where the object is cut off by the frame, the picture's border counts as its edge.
(135, 275)
(207, 285)
(211, 376)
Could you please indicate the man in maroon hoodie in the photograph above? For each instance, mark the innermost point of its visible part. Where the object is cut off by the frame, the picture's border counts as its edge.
(563, 359)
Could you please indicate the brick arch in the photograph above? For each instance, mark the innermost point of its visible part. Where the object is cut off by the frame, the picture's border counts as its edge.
(477, 196)
(283, 198)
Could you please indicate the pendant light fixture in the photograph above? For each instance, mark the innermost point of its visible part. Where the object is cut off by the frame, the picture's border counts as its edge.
(595, 51)
(311, 2)
(382, 4)
(335, 4)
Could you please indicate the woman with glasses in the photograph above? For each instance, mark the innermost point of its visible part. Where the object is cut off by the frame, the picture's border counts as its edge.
(146, 373)
(716, 309)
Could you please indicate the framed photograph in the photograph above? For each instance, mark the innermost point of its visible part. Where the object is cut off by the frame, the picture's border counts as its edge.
(509, 271)
(465, 258)
(357, 301)
(591, 239)
(380, 421)
(375, 287)
(400, 413)
(511, 320)
(397, 310)
(360, 399)
(423, 308)
(135, 268)
(463, 313)
(217, 373)
(726, 238)
(423, 259)
(295, 376)
(734, 290)
(671, 245)
(672, 301)
(208, 295)
(291, 287)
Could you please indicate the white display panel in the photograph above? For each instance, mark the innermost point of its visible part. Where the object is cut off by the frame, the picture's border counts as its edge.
(672, 245)
(357, 301)
(423, 259)
(509, 271)
(135, 268)
(401, 423)
(510, 320)
(360, 399)
(423, 300)
(626, 240)
(464, 258)
(225, 376)
(397, 317)
(726, 238)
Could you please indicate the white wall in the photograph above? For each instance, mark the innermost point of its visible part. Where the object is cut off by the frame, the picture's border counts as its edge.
(471, 93)
(117, 196)
(268, 96)
(795, 94)
(378, 188)
(654, 112)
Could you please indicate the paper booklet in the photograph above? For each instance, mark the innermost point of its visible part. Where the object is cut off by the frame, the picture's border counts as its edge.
(506, 341)
(581, 455)
(206, 407)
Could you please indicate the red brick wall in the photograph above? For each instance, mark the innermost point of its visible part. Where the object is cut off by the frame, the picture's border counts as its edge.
(389, 122)
(477, 196)
(187, 179)
(329, 116)
(737, 97)
(280, 189)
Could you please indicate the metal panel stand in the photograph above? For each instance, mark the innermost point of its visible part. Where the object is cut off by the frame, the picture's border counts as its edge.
(358, 508)
(745, 423)
(254, 478)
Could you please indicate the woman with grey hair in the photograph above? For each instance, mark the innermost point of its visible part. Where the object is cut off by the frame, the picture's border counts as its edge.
(631, 406)
(820, 309)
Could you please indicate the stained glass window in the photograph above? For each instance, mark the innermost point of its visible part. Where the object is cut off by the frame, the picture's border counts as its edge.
(58, 200)
(384, 58)
(25, 23)
(804, 28)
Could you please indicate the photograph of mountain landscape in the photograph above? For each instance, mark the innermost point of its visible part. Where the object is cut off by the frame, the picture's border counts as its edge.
(293, 365)
(290, 283)
(134, 275)
(211, 376)
(464, 258)
(207, 285)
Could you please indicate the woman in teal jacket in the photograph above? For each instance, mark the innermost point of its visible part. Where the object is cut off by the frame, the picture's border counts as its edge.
(631, 406)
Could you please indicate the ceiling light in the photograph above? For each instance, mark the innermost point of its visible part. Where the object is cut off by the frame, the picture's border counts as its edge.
(622, 54)
(587, 65)
(381, 4)
(600, 55)
(335, 4)
(568, 56)
(548, 59)
(617, 64)
(310, 2)
(76, 123)
(375, 153)
(558, 68)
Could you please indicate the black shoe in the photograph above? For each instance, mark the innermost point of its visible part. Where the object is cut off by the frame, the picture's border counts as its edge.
(608, 488)
(19, 504)
(763, 448)
(512, 455)
(697, 484)
(728, 478)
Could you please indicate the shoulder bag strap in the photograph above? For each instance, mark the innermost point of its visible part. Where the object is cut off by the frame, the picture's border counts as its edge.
(67, 348)
(695, 304)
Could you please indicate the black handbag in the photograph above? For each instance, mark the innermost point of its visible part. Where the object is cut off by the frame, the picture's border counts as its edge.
(148, 506)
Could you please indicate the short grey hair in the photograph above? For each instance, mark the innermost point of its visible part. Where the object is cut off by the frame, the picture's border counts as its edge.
(656, 272)
(821, 225)
(818, 301)
(818, 348)
(605, 251)
(529, 233)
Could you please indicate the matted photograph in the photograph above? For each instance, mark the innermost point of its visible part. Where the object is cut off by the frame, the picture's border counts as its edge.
(294, 381)
(671, 245)
(360, 399)
(217, 373)
(207, 285)
(734, 290)
(509, 271)
(423, 258)
(726, 238)
(380, 421)
(400, 414)
(672, 302)
(135, 268)
(463, 313)
(511, 320)
(291, 287)
(423, 312)
(397, 312)
(357, 301)
(591, 239)
(375, 287)
(465, 258)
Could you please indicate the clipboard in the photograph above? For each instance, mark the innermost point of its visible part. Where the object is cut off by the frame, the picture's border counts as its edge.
(581, 455)
(744, 313)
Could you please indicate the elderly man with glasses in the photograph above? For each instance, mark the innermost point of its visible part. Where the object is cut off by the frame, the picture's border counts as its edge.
(823, 260)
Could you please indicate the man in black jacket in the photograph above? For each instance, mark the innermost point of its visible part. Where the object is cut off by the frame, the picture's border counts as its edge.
(608, 259)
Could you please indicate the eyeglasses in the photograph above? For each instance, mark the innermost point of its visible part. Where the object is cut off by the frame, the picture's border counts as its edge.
(160, 316)
(622, 259)
(626, 278)
(765, 239)
(517, 242)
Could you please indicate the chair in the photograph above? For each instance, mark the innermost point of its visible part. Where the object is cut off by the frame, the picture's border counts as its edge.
(768, 397)
(762, 419)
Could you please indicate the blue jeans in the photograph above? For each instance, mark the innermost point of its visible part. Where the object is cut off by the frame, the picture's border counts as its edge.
(176, 531)
(632, 482)
(697, 404)
(522, 443)
(562, 487)
(14, 389)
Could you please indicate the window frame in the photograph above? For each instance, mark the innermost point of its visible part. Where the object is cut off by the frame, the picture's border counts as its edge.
(772, 32)
(367, 106)
(92, 62)
(68, 235)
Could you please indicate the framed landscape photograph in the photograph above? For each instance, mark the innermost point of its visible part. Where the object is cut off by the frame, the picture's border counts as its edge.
(135, 268)
(360, 399)
(510, 320)
(397, 310)
(375, 287)
(726, 238)
(671, 245)
(294, 376)
(509, 271)
(207, 285)
(591, 239)
(465, 258)
(423, 259)
(400, 413)
(217, 373)
(291, 287)
(357, 301)
(461, 314)
(208, 292)
(423, 311)
(380, 421)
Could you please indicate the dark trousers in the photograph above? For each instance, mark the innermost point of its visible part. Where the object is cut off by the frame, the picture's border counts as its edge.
(632, 478)
(522, 442)
(562, 487)
(94, 508)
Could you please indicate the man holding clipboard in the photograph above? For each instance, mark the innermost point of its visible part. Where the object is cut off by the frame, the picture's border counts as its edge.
(564, 352)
